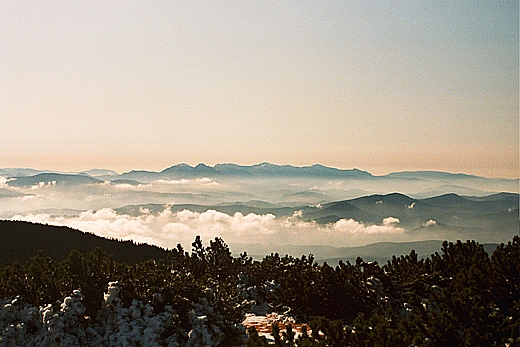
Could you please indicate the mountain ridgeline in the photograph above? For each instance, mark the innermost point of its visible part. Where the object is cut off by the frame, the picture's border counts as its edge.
(259, 170)
(20, 241)
(264, 182)
(265, 169)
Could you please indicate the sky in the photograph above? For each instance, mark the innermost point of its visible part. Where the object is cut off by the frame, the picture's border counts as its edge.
(381, 86)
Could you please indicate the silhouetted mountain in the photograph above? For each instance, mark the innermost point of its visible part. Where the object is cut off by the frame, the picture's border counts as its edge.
(448, 200)
(450, 211)
(140, 175)
(19, 241)
(370, 209)
(123, 181)
(301, 198)
(230, 209)
(232, 170)
(52, 179)
(99, 173)
(411, 182)
(502, 197)
(272, 170)
(261, 170)
(435, 175)
(380, 251)
(187, 171)
(442, 189)
(396, 199)
(340, 208)
(19, 172)
(6, 193)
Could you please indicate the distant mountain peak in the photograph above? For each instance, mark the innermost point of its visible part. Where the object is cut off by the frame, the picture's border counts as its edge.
(53, 179)
(99, 172)
(432, 174)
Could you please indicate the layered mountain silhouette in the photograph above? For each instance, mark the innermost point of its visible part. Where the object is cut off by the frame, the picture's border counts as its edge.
(497, 213)
(262, 170)
(53, 179)
(233, 170)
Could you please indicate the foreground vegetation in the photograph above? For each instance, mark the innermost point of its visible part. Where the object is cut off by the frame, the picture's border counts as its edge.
(460, 297)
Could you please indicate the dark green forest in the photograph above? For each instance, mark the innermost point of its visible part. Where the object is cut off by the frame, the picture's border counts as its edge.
(460, 296)
(19, 241)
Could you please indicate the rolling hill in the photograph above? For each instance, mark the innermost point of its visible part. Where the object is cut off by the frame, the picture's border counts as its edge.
(19, 241)
(53, 179)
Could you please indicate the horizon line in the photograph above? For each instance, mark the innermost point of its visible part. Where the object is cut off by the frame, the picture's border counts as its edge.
(59, 171)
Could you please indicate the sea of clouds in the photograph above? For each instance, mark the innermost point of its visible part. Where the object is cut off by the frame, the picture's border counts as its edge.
(167, 229)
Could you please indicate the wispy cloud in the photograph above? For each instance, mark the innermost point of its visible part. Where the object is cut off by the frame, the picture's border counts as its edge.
(430, 223)
(3, 182)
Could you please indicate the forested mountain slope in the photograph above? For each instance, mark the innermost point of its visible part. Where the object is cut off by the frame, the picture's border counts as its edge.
(20, 241)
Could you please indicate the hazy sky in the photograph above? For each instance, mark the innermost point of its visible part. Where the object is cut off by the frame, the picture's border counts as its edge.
(378, 85)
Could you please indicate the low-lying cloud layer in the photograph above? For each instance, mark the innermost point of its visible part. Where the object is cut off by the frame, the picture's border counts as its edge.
(167, 228)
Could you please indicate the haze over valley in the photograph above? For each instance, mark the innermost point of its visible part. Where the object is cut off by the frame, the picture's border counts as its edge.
(266, 207)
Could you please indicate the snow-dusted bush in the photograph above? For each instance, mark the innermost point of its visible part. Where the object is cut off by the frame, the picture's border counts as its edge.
(65, 324)
(136, 325)
(25, 325)
(17, 321)
(206, 326)
(254, 298)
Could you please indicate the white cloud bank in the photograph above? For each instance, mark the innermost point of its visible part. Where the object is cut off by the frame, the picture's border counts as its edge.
(167, 229)
(205, 181)
(4, 181)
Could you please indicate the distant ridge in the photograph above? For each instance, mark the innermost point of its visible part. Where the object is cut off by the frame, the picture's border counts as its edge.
(53, 179)
(437, 175)
(258, 170)
(380, 252)
(264, 169)
(20, 241)
(417, 184)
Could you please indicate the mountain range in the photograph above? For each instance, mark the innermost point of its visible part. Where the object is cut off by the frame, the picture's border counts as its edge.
(262, 170)
(418, 201)
(258, 170)
(233, 170)
(448, 214)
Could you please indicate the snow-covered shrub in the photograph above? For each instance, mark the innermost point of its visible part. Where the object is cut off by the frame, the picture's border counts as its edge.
(254, 298)
(136, 325)
(66, 326)
(207, 326)
(26, 325)
(17, 322)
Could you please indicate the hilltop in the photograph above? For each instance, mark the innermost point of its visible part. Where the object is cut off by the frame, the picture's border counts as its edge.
(20, 241)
